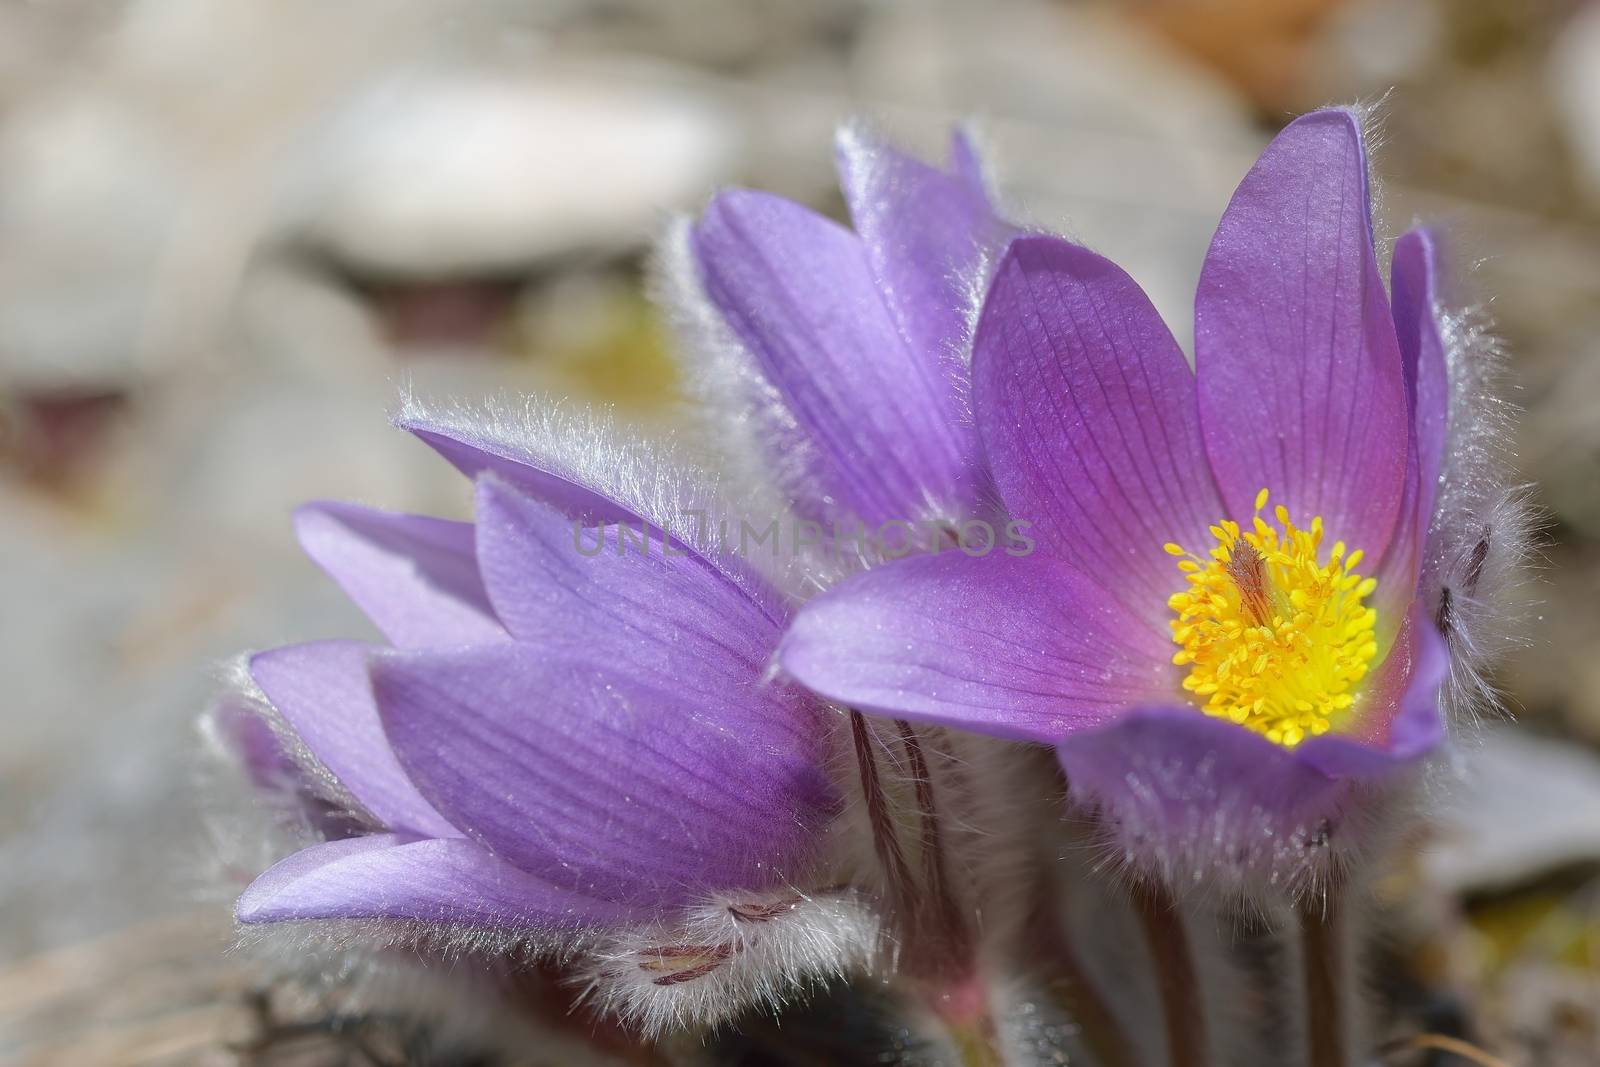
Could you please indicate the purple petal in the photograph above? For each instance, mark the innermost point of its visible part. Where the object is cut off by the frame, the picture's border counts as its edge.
(268, 760)
(1088, 417)
(322, 691)
(562, 586)
(249, 739)
(385, 876)
(612, 784)
(926, 233)
(1018, 647)
(878, 427)
(415, 577)
(1187, 759)
(1414, 279)
(1301, 388)
(1197, 800)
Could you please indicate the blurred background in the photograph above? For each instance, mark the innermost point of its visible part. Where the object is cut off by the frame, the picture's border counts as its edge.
(231, 232)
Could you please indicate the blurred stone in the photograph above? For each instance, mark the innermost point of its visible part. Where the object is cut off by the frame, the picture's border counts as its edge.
(1549, 1014)
(437, 175)
(736, 36)
(1526, 807)
(1262, 47)
(1575, 87)
(1376, 42)
(90, 195)
(52, 434)
(1466, 106)
(1555, 677)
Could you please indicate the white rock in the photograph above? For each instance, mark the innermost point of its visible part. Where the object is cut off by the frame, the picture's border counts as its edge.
(1528, 806)
(1575, 87)
(434, 173)
(89, 197)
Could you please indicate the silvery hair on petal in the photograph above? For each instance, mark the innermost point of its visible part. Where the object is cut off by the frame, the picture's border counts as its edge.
(1483, 531)
(657, 476)
(737, 952)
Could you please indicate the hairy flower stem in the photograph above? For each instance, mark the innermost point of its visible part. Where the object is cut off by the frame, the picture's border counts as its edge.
(1049, 944)
(942, 918)
(938, 951)
(1181, 1006)
(885, 841)
(1080, 996)
(961, 996)
(1322, 954)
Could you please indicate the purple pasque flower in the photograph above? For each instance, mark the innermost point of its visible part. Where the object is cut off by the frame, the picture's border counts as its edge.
(562, 735)
(1220, 629)
(845, 350)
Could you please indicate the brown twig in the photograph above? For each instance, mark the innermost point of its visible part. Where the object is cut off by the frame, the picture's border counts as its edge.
(1440, 1043)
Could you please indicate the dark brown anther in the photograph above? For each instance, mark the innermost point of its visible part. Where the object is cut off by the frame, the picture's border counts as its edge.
(679, 977)
(683, 963)
(763, 912)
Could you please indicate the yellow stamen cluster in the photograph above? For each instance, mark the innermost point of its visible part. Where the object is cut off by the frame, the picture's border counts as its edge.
(1274, 640)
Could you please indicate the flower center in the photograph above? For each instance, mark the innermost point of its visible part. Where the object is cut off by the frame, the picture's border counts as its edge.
(1274, 640)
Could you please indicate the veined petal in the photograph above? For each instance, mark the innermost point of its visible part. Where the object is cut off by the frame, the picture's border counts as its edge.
(415, 577)
(877, 422)
(1414, 281)
(1401, 721)
(560, 585)
(1013, 646)
(1088, 417)
(604, 782)
(1301, 386)
(322, 691)
(387, 876)
(925, 232)
(1414, 278)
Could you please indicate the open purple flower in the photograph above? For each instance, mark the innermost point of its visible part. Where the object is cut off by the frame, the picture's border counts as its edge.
(1220, 630)
(563, 735)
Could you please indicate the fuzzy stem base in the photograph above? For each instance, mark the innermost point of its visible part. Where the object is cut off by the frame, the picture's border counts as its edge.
(975, 1047)
(1101, 1030)
(1322, 953)
(1077, 993)
(962, 1007)
(1181, 1006)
